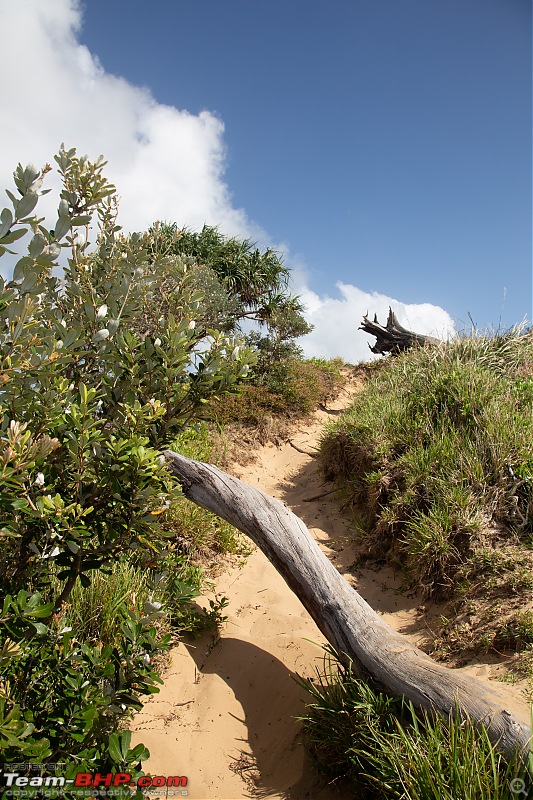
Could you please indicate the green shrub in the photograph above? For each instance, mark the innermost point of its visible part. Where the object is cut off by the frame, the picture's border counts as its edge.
(70, 694)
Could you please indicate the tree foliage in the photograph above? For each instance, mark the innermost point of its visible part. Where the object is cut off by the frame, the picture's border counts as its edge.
(255, 280)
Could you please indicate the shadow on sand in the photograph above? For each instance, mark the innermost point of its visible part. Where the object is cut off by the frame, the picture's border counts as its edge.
(269, 695)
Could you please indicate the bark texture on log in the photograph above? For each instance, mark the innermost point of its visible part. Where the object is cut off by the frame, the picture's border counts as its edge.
(393, 337)
(354, 630)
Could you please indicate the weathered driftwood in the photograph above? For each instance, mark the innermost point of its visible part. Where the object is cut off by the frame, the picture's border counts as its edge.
(393, 337)
(354, 630)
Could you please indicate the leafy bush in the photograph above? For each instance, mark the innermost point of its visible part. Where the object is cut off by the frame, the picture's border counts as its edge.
(99, 369)
(71, 693)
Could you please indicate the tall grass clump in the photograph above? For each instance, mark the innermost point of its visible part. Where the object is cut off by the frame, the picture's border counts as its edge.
(436, 455)
(96, 611)
(198, 533)
(386, 749)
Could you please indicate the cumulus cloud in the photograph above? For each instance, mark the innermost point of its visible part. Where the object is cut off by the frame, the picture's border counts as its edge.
(166, 163)
(337, 320)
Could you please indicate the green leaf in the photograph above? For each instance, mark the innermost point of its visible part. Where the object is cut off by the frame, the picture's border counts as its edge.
(21, 266)
(30, 727)
(71, 336)
(49, 254)
(26, 204)
(114, 748)
(41, 611)
(29, 282)
(125, 741)
(101, 335)
(19, 504)
(139, 753)
(81, 219)
(37, 245)
(6, 221)
(13, 236)
(62, 227)
(30, 174)
(40, 628)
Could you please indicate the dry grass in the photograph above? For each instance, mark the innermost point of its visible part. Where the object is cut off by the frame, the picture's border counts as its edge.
(268, 411)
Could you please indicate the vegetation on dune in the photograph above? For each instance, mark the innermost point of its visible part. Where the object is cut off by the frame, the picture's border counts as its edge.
(280, 390)
(384, 748)
(101, 366)
(436, 457)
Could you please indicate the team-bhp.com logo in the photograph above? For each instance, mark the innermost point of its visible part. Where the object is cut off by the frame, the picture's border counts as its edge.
(18, 785)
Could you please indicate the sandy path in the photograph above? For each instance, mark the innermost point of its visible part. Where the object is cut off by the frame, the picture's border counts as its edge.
(225, 715)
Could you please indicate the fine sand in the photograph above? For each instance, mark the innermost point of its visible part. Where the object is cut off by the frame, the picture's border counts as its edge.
(225, 717)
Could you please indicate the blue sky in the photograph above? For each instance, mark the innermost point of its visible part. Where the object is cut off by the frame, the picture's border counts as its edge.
(384, 145)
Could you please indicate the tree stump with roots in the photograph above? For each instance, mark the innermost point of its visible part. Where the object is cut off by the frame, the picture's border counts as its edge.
(393, 337)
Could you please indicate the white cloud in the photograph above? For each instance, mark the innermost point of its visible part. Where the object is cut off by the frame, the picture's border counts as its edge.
(166, 163)
(337, 321)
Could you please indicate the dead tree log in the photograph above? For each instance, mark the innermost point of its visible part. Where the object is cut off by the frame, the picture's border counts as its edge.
(354, 630)
(393, 337)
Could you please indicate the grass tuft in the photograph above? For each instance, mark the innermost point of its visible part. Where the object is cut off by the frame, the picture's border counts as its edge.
(384, 748)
